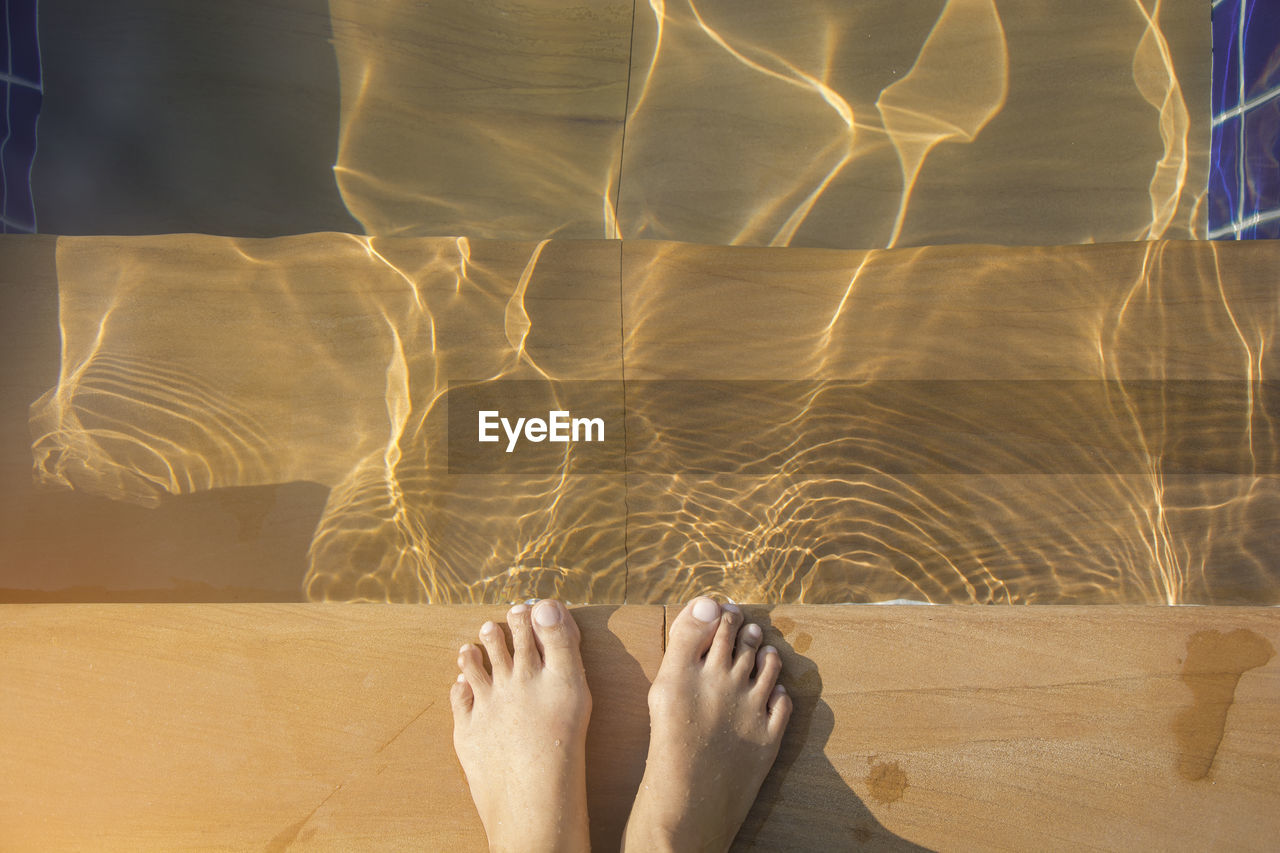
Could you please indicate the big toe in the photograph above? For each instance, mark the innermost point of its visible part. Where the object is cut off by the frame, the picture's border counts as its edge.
(693, 630)
(558, 635)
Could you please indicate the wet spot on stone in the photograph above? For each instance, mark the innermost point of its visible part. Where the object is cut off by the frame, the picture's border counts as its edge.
(887, 781)
(862, 833)
(1211, 671)
(802, 643)
(784, 625)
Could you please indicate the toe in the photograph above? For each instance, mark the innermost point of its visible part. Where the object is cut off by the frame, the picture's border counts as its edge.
(726, 636)
(749, 639)
(768, 665)
(525, 658)
(692, 631)
(472, 666)
(558, 636)
(779, 711)
(495, 644)
(461, 698)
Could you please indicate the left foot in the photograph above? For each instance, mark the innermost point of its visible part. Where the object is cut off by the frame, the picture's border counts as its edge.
(520, 730)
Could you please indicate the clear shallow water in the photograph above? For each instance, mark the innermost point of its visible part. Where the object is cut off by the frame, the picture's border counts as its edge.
(720, 121)
(1078, 423)
(744, 123)
(847, 426)
(1244, 183)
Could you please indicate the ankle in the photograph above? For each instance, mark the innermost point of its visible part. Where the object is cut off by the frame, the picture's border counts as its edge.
(639, 836)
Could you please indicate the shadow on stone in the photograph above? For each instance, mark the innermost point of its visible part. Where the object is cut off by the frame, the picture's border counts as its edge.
(815, 797)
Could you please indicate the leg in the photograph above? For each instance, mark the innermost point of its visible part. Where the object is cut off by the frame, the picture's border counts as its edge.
(715, 729)
(520, 731)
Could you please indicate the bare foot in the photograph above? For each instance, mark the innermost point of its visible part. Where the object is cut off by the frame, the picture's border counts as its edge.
(520, 731)
(714, 732)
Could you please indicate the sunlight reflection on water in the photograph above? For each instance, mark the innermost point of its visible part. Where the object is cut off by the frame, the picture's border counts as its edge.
(329, 358)
(726, 194)
(743, 123)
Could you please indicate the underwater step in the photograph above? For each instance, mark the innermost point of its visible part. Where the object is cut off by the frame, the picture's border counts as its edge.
(954, 424)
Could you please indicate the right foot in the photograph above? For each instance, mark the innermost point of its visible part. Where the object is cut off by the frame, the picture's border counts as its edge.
(716, 715)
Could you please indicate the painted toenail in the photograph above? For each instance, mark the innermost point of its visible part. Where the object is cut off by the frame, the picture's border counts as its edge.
(547, 614)
(517, 609)
(731, 607)
(753, 631)
(705, 610)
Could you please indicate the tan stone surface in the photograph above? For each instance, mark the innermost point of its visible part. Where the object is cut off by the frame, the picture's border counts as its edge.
(326, 727)
(193, 363)
(891, 124)
(748, 123)
(58, 545)
(1072, 424)
(272, 727)
(1078, 424)
(499, 120)
(1054, 728)
(719, 121)
(1174, 309)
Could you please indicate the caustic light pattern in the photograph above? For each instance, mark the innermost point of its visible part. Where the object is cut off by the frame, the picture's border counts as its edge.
(744, 123)
(715, 212)
(1244, 186)
(1128, 451)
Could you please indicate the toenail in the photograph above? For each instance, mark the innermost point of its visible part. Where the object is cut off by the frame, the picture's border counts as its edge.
(779, 689)
(462, 650)
(547, 614)
(488, 628)
(705, 610)
(731, 607)
(769, 650)
(753, 631)
(517, 609)
(461, 678)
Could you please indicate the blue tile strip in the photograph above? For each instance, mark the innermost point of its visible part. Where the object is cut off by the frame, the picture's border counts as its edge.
(1244, 179)
(23, 95)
